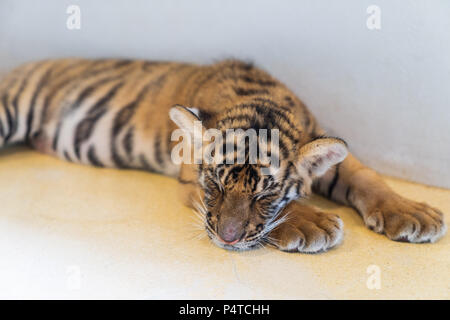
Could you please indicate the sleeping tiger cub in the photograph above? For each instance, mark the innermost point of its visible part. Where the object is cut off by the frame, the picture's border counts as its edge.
(121, 113)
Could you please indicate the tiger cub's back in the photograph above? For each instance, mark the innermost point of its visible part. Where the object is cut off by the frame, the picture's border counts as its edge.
(111, 112)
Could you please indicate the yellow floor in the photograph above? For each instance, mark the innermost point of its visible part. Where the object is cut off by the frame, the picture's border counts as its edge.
(72, 231)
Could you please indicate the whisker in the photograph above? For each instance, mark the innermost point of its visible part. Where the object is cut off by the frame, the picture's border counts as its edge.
(276, 215)
(197, 219)
(210, 230)
(201, 200)
(262, 245)
(199, 208)
(270, 227)
(197, 226)
(198, 236)
(272, 241)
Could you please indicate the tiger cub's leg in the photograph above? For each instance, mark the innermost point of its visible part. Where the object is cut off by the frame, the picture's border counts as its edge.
(306, 230)
(382, 209)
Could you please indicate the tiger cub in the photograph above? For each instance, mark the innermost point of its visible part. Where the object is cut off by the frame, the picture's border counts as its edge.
(122, 113)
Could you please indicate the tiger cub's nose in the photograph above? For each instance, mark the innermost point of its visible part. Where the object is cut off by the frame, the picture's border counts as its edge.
(230, 232)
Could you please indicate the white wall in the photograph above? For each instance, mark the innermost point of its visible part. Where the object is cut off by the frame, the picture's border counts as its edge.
(387, 92)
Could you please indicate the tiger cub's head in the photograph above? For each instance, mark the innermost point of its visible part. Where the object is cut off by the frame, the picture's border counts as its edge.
(243, 199)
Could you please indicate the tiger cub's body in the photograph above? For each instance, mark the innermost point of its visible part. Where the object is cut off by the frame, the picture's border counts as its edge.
(115, 113)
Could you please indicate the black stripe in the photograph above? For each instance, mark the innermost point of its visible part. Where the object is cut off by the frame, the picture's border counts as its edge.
(266, 213)
(121, 119)
(158, 151)
(333, 182)
(67, 68)
(31, 109)
(67, 156)
(234, 63)
(283, 135)
(261, 82)
(266, 181)
(289, 100)
(271, 116)
(299, 185)
(128, 140)
(123, 62)
(234, 173)
(88, 91)
(287, 190)
(12, 130)
(249, 92)
(147, 66)
(86, 126)
(83, 131)
(271, 103)
(56, 136)
(112, 64)
(49, 98)
(92, 157)
(288, 171)
(118, 160)
(4, 101)
(8, 113)
(104, 65)
(147, 166)
(91, 72)
(56, 89)
(253, 177)
(254, 122)
(127, 112)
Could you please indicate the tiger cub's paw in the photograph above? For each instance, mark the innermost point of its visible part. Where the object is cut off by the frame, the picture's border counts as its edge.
(401, 219)
(308, 232)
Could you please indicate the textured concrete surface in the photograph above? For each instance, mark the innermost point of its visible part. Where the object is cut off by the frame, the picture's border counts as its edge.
(71, 231)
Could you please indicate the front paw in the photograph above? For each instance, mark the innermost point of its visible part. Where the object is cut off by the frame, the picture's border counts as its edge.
(401, 219)
(308, 231)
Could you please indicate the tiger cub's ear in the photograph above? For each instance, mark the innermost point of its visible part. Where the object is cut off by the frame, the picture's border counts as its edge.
(317, 156)
(185, 118)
